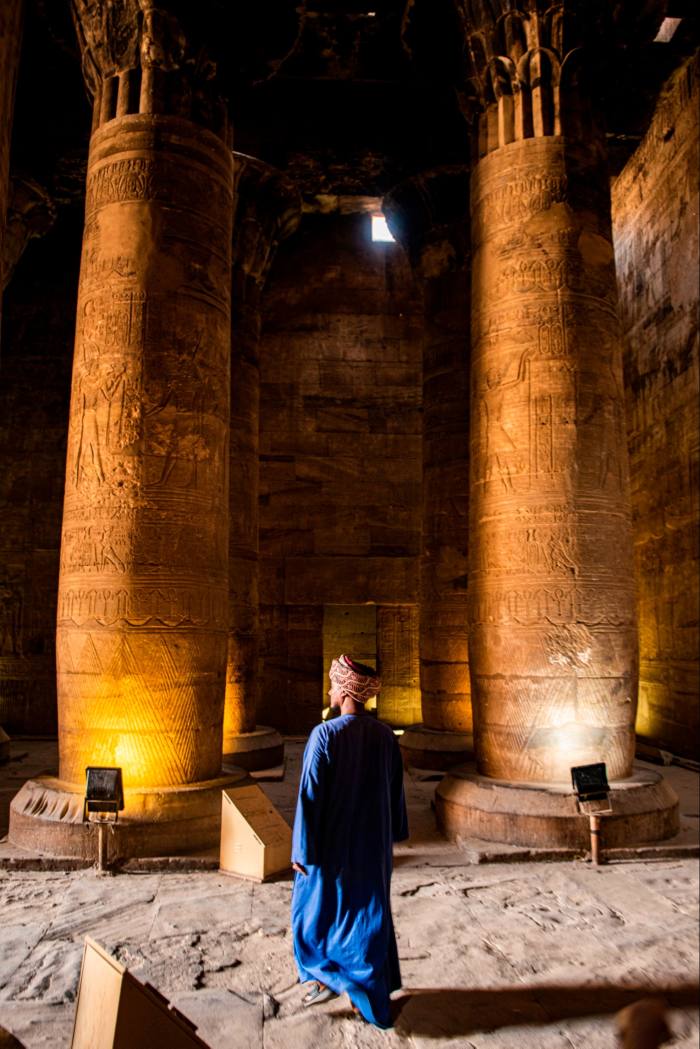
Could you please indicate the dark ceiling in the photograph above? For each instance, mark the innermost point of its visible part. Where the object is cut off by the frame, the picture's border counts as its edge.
(351, 100)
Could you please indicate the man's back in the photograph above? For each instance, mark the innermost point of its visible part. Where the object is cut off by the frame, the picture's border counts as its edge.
(358, 809)
(363, 814)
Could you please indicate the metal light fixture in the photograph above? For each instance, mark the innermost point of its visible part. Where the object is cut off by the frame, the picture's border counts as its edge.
(104, 800)
(593, 796)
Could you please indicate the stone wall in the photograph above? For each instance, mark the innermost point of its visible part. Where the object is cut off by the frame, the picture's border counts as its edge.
(39, 323)
(655, 211)
(340, 462)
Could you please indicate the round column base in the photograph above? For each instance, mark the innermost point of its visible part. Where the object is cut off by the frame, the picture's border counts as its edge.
(46, 817)
(425, 748)
(263, 748)
(467, 805)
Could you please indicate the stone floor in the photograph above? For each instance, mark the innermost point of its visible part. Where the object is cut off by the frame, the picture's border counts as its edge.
(494, 955)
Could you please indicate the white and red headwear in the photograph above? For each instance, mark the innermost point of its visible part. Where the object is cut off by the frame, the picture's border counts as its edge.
(354, 679)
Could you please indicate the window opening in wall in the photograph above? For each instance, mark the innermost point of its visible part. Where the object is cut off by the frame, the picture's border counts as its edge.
(667, 30)
(381, 234)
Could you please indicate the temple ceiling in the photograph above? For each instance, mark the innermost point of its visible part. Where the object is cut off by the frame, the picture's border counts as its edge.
(348, 97)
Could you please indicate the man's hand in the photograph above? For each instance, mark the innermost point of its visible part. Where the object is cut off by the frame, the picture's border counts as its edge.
(298, 867)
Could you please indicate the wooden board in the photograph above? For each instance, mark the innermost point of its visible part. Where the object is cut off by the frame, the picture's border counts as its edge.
(114, 1010)
(256, 841)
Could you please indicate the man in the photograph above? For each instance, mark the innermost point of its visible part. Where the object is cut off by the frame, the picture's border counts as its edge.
(351, 809)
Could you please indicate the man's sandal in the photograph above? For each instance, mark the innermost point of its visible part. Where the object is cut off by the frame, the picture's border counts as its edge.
(317, 994)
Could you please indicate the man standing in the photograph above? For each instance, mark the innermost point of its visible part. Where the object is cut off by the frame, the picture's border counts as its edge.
(351, 809)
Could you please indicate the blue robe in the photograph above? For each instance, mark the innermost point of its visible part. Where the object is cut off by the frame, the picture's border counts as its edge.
(351, 809)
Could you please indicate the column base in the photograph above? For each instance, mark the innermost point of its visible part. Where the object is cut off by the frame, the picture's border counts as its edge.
(467, 805)
(425, 748)
(263, 748)
(46, 817)
(4, 746)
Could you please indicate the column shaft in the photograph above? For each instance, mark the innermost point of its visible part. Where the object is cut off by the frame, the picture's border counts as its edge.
(242, 663)
(10, 43)
(143, 590)
(267, 209)
(553, 638)
(444, 668)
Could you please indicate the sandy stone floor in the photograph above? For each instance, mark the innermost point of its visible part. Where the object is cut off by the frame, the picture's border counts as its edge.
(494, 955)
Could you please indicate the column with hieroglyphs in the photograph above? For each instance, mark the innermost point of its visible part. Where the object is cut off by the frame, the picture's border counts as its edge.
(143, 589)
(429, 215)
(267, 209)
(554, 651)
(553, 641)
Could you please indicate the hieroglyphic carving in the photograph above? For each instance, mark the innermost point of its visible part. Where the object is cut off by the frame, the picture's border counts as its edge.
(397, 655)
(133, 179)
(552, 637)
(143, 608)
(11, 601)
(531, 192)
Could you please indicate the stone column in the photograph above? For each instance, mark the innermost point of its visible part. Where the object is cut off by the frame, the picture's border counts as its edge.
(553, 643)
(429, 216)
(10, 43)
(267, 209)
(143, 587)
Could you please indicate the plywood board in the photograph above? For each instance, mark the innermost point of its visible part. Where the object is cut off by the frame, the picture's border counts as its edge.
(114, 1010)
(256, 841)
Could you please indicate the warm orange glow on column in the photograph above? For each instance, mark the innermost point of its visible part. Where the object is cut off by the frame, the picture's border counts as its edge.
(142, 616)
(553, 647)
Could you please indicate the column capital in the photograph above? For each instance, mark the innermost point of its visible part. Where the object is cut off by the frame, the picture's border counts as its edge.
(429, 216)
(141, 58)
(267, 210)
(526, 67)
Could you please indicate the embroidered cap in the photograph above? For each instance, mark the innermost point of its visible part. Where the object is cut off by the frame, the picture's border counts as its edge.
(355, 679)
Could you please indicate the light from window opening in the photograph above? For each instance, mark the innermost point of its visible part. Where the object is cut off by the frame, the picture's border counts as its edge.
(380, 230)
(666, 30)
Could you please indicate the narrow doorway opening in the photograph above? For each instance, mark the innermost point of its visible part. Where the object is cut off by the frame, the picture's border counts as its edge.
(384, 637)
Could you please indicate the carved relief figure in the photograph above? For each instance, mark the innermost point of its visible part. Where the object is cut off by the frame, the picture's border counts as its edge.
(10, 618)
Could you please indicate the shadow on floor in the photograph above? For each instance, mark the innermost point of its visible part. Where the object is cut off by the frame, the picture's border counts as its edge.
(451, 1012)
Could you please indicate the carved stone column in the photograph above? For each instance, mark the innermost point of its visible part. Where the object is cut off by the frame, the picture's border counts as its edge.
(429, 216)
(267, 209)
(143, 588)
(553, 643)
(10, 42)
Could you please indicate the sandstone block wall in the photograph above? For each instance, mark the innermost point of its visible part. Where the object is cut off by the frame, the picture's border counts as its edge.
(655, 213)
(340, 457)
